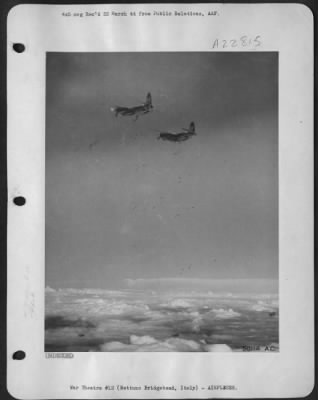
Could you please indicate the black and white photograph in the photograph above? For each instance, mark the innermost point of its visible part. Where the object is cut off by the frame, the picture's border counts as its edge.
(161, 202)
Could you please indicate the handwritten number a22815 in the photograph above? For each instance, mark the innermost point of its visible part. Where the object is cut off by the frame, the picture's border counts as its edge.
(243, 41)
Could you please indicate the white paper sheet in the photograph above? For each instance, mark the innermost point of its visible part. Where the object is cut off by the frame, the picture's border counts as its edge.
(80, 61)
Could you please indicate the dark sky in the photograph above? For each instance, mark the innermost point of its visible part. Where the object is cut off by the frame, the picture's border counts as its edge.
(121, 204)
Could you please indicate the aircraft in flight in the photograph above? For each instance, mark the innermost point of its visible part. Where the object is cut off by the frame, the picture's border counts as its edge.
(136, 111)
(178, 136)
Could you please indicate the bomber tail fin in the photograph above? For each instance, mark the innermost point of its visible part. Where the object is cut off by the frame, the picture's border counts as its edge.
(192, 127)
(114, 110)
(149, 100)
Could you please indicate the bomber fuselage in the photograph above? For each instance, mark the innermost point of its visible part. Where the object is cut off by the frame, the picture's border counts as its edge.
(175, 137)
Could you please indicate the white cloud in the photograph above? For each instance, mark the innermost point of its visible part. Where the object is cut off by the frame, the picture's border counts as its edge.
(217, 348)
(222, 313)
(140, 340)
(48, 289)
(263, 306)
(117, 346)
(147, 343)
(179, 303)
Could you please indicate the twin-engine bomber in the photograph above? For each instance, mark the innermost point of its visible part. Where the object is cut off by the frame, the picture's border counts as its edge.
(178, 136)
(136, 111)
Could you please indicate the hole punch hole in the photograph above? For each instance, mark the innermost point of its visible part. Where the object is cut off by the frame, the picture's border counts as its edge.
(18, 355)
(19, 201)
(18, 47)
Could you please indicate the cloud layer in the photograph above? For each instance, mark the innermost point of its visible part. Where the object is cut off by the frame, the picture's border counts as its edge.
(138, 320)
